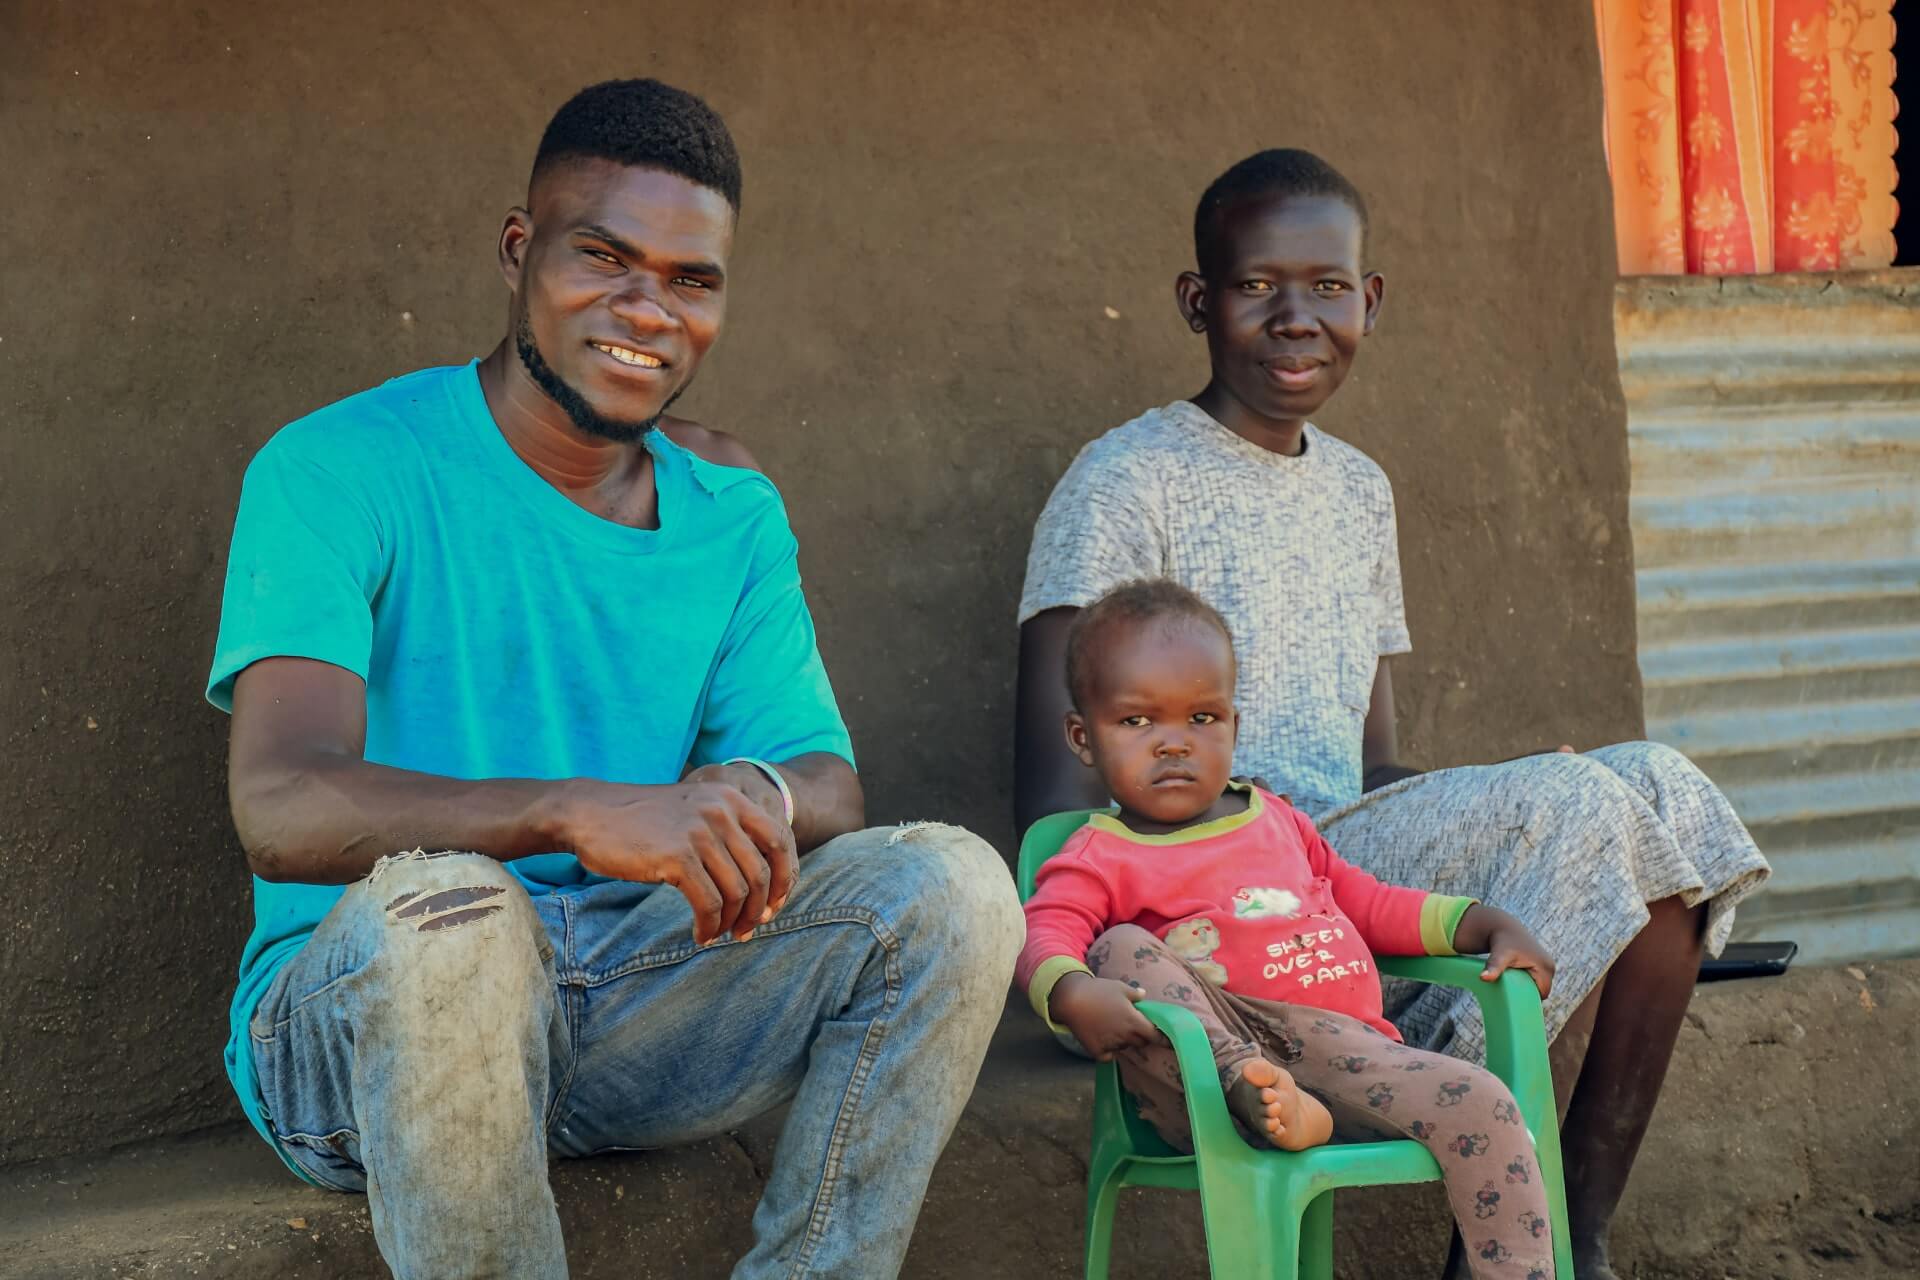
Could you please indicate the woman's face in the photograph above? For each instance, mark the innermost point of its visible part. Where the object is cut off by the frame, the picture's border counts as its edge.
(1284, 304)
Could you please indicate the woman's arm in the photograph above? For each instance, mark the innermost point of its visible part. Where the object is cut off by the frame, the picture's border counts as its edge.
(1379, 746)
(1047, 778)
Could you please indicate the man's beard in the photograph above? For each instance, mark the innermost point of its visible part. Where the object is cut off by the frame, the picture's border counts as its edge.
(584, 415)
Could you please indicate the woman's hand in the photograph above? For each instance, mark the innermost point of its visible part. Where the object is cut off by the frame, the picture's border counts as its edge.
(1100, 1013)
(1506, 943)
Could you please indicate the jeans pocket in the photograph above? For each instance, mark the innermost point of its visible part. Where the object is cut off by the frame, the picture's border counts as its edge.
(303, 1120)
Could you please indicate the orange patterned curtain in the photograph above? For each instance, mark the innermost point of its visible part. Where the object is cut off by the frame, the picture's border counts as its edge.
(1749, 135)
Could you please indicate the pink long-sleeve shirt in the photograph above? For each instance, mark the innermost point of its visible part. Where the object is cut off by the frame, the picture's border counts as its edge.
(1256, 902)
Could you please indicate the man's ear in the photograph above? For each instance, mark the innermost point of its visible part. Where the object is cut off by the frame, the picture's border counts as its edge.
(1190, 291)
(1077, 738)
(1373, 286)
(516, 233)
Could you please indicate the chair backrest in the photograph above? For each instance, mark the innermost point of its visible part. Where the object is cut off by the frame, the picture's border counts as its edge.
(1043, 840)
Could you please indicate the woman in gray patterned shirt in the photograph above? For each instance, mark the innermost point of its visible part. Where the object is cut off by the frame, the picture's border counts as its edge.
(1625, 861)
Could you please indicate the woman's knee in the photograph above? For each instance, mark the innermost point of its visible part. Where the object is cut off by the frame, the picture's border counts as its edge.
(1655, 759)
(1559, 773)
(1555, 790)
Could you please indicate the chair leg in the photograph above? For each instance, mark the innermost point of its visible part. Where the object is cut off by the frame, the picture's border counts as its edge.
(1316, 1239)
(1103, 1200)
(1253, 1229)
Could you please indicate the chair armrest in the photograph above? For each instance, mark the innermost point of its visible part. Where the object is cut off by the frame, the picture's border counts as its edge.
(1442, 971)
(1510, 1007)
(1199, 1074)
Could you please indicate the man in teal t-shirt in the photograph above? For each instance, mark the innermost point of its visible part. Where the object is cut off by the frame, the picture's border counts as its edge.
(553, 817)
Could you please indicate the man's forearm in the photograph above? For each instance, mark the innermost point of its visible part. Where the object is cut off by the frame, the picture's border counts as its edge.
(326, 818)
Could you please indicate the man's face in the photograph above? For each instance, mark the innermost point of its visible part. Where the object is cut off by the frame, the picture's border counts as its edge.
(619, 278)
(1285, 303)
(1159, 725)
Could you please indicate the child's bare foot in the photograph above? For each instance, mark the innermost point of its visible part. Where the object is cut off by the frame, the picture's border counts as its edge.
(1286, 1116)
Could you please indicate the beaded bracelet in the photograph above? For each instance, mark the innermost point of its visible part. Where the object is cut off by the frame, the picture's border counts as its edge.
(773, 776)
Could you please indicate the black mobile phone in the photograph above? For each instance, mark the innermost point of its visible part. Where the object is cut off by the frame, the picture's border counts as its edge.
(1749, 960)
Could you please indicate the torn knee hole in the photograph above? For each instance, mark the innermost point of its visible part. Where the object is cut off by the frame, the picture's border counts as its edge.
(912, 830)
(447, 908)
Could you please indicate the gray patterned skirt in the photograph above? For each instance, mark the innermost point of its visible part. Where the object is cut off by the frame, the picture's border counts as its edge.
(1576, 846)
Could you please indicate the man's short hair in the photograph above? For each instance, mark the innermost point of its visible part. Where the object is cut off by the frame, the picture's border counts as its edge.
(1142, 602)
(646, 124)
(1282, 171)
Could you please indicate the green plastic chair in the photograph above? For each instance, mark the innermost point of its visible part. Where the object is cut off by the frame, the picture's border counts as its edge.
(1269, 1214)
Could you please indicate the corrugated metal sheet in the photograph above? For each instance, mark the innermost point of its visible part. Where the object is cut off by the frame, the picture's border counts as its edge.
(1774, 426)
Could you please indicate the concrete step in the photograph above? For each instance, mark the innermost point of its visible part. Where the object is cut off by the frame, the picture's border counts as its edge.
(1751, 1171)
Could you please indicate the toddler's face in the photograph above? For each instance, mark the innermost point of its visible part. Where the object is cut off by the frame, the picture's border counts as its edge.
(1160, 728)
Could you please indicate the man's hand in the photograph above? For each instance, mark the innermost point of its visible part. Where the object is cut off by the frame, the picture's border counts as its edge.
(749, 780)
(759, 789)
(1100, 1013)
(1506, 943)
(731, 858)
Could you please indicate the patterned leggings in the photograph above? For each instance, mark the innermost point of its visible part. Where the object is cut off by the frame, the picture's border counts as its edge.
(1374, 1087)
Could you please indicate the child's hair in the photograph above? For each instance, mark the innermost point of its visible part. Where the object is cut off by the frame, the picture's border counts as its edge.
(1282, 171)
(1144, 600)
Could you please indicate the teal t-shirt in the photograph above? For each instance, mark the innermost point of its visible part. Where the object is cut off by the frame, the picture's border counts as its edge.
(502, 630)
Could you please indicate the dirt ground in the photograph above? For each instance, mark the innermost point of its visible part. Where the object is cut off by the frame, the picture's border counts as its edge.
(1787, 1147)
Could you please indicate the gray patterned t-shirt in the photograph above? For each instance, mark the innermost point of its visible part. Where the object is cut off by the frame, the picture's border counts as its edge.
(1300, 554)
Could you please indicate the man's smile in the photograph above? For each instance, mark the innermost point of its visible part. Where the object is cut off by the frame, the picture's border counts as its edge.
(630, 357)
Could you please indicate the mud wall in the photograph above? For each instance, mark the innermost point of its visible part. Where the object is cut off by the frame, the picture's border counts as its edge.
(961, 226)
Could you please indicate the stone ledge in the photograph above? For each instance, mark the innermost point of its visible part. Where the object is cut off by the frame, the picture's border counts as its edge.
(1785, 1147)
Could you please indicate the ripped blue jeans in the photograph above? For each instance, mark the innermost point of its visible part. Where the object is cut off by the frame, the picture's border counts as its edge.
(443, 1033)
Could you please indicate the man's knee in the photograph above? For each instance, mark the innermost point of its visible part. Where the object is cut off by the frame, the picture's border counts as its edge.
(964, 895)
(458, 924)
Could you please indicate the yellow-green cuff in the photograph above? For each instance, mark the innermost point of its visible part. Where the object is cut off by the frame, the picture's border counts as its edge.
(1440, 915)
(1051, 970)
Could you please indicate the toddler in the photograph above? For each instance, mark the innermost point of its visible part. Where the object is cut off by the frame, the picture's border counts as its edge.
(1219, 896)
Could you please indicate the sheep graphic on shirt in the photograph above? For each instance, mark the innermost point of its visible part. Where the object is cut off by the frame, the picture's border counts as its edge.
(1195, 941)
(1254, 903)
